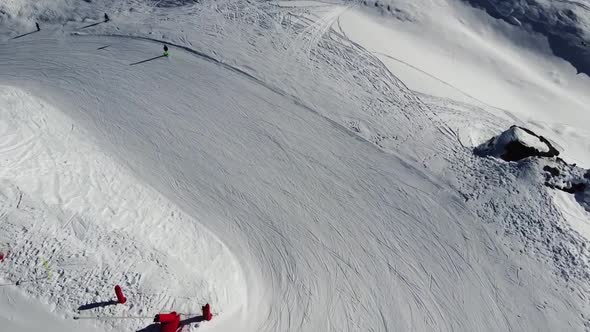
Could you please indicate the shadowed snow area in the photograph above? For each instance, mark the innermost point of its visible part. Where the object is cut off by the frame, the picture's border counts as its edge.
(564, 23)
(273, 167)
(446, 49)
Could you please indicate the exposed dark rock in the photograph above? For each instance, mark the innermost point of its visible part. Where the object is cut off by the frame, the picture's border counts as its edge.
(552, 170)
(516, 144)
(578, 187)
(567, 189)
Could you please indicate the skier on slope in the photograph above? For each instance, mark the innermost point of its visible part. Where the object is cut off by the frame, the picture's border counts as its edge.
(106, 17)
(165, 50)
(37, 25)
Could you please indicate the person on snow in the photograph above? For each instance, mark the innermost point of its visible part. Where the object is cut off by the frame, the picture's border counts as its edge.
(165, 50)
(37, 25)
(106, 17)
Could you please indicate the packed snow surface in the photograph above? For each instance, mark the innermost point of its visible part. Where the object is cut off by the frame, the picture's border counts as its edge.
(273, 166)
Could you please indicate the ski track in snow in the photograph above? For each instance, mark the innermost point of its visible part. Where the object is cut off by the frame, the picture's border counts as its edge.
(329, 234)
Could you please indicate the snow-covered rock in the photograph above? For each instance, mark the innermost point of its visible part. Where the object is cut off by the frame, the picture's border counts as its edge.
(517, 143)
(569, 178)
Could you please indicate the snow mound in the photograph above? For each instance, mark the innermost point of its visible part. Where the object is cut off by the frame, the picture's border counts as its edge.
(517, 143)
(75, 223)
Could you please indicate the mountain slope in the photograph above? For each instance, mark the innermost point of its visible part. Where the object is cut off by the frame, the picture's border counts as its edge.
(333, 225)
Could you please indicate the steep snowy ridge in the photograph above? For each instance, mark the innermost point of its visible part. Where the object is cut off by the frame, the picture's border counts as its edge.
(565, 24)
(275, 166)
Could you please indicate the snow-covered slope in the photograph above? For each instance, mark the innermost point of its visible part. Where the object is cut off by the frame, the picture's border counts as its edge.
(66, 203)
(446, 49)
(273, 167)
(565, 24)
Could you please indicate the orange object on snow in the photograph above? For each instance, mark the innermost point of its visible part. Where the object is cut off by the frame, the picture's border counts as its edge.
(207, 312)
(168, 322)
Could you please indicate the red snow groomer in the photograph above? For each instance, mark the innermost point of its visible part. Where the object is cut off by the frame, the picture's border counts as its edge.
(171, 322)
(168, 322)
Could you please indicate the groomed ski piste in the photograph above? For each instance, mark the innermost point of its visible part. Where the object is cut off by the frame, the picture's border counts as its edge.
(301, 166)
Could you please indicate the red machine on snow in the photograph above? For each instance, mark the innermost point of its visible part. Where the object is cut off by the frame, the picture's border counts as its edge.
(168, 322)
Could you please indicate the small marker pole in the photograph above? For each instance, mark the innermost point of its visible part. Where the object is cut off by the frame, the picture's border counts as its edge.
(207, 312)
(47, 269)
(119, 293)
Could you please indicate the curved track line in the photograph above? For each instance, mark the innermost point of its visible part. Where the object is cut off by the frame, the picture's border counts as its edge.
(243, 73)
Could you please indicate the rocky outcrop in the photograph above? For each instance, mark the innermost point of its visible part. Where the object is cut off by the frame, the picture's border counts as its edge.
(517, 143)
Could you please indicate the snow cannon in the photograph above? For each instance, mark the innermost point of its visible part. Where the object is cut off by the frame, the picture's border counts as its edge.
(207, 312)
(168, 322)
(120, 297)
